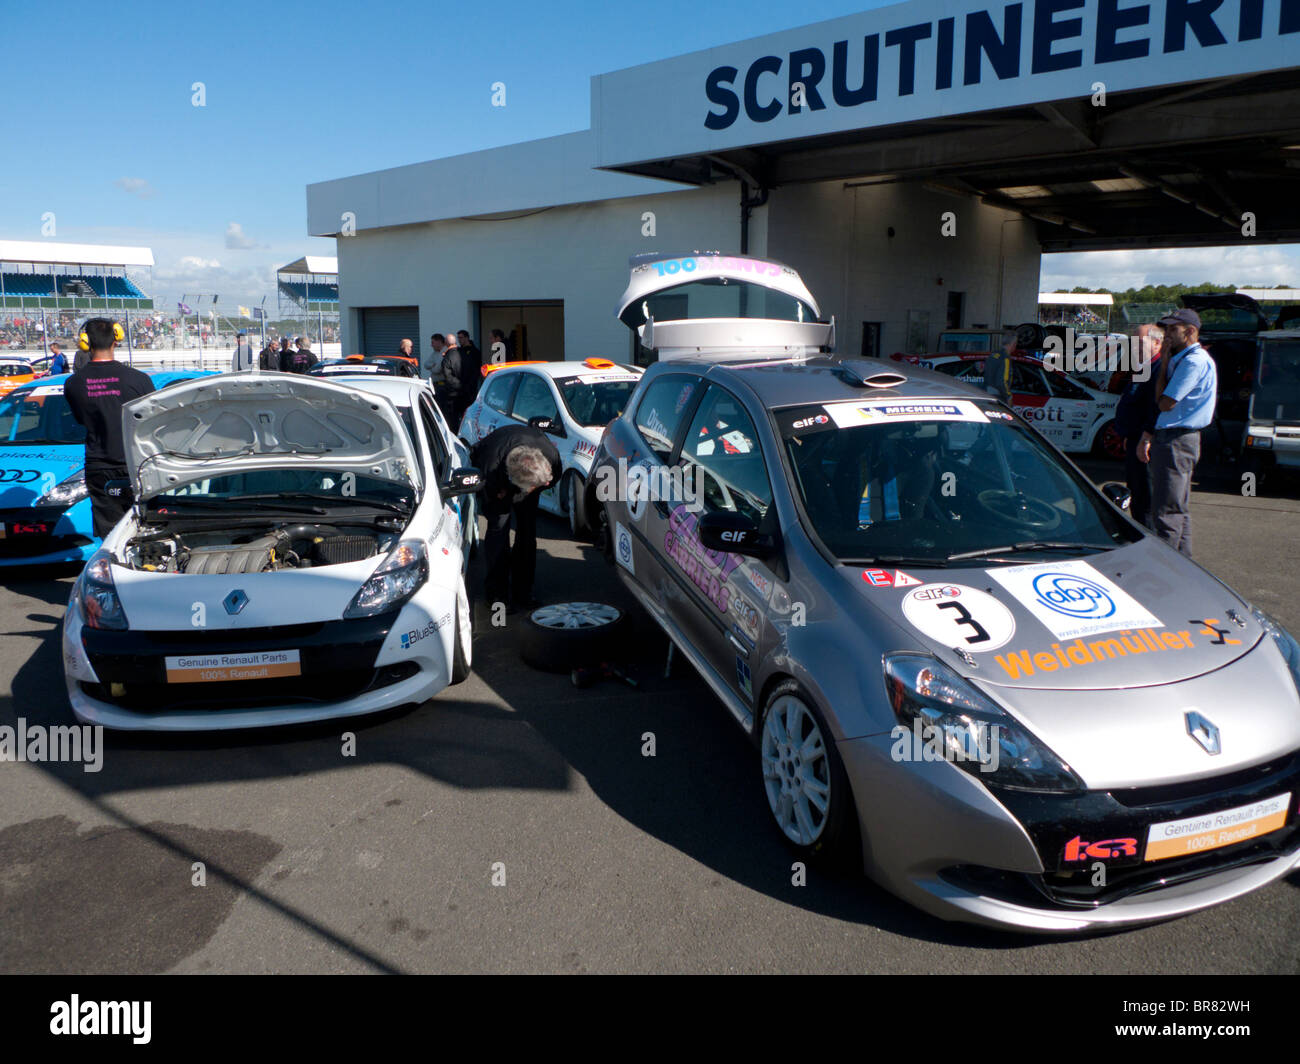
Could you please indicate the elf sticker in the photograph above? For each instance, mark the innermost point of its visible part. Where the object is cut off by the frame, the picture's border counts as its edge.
(955, 615)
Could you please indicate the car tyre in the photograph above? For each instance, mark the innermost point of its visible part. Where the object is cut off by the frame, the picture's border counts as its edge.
(804, 780)
(462, 644)
(563, 636)
(575, 504)
(1108, 443)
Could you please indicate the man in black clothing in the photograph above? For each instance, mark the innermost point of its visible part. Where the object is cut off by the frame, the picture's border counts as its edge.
(453, 384)
(302, 360)
(96, 395)
(517, 463)
(1135, 414)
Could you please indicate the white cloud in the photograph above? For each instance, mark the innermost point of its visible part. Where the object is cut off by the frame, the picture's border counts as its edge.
(235, 238)
(135, 186)
(1262, 265)
(193, 262)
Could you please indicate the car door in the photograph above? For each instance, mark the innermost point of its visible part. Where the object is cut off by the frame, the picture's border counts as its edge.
(534, 397)
(493, 407)
(1077, 412)
(716, 600)
(641, 544)
(1033, 401)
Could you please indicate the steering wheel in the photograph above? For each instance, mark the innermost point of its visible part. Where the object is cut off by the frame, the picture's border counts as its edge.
(1018, 510)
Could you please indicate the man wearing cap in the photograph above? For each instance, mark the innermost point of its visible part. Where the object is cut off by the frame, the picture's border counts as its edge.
(1186, 388)
(244, 357)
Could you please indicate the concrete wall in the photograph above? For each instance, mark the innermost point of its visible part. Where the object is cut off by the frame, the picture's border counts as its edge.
(576, 253)
(838, 239)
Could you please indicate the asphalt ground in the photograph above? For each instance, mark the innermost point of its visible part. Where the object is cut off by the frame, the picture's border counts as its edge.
(314, 861)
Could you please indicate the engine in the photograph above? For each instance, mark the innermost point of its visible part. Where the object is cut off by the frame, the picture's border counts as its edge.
(258, 550)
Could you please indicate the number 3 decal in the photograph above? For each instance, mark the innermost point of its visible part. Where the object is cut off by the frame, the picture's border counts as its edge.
(954, 615)
(964, 617)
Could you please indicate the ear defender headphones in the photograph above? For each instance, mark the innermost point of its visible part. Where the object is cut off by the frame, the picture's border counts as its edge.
(83, 341)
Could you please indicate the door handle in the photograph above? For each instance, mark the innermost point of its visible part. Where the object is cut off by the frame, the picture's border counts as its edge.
(741, 649)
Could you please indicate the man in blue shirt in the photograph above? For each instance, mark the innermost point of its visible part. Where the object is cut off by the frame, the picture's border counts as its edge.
(1187, 387)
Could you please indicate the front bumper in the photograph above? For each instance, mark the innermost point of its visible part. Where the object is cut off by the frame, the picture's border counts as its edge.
(118, 679)
(941, 840)
(46, 535)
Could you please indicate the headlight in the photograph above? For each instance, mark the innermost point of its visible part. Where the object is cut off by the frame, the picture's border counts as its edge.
(935, 704)
(1285, 642)
(66, 492)
(97, 595)
(401, 575)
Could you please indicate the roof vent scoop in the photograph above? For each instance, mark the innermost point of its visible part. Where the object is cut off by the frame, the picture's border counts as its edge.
(877, 380)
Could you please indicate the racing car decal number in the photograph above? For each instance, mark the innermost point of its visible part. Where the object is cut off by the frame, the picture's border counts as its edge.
(954, 615)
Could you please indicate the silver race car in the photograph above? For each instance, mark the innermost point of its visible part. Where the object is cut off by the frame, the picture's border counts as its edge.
(960, 662)
(297, 553)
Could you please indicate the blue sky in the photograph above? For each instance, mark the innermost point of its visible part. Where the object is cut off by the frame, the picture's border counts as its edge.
(99, 127)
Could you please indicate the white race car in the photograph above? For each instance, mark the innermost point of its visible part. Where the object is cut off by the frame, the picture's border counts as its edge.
(296, 552)
(578, 398)
(1075, 416)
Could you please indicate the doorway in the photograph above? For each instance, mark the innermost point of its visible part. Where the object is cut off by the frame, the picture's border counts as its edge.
(534, 330)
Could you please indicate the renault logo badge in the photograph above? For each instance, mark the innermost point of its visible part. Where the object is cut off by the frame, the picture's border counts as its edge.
(237, 600)
(1205, 733)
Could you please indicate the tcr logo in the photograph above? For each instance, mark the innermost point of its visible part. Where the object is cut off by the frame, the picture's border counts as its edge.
(1078, 849)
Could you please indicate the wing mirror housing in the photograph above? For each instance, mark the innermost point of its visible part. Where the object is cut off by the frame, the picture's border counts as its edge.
(464, 481)
(1118, 494)
(734, 533)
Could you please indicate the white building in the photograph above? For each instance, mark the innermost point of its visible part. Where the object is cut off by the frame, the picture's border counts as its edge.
(910, 162)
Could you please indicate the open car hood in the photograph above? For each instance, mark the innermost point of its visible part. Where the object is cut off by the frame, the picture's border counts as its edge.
(244, 421)
(1199, 301)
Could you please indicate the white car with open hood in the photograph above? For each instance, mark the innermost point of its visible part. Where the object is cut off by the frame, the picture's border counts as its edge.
(296, 553)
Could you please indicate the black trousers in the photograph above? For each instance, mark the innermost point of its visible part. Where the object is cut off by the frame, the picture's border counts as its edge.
(1138, 476)
(510, 570)
(105, 509)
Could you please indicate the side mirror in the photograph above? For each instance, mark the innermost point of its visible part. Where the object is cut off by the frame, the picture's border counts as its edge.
(465, 481)
(734, 533)
(1118, 494)
(550, 425)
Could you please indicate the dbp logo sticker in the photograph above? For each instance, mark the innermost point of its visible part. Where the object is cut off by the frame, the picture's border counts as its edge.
(623, 548)
(1073, 596)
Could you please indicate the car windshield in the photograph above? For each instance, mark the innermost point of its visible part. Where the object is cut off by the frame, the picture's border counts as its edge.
(295, 487)
(959, 343)
(595, 404)
(929, 480)
(38, 415)
(717, 297)
(1277, 390)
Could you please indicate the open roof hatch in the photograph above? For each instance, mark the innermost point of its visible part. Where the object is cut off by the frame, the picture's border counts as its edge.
(706, 303)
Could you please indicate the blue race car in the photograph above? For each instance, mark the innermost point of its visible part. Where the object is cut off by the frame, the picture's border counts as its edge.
(44, 507)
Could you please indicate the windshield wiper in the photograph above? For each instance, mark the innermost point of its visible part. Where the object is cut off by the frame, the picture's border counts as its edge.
(898, 559)
(1029, 546)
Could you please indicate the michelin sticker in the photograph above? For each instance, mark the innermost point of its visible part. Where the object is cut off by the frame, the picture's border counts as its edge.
(955, 615)
(623, 548)
(1073, 599)
(886, 412)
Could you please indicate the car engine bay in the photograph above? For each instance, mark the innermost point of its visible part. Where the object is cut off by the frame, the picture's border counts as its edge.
(260, 548)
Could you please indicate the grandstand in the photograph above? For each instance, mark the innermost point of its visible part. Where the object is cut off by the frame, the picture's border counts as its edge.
(39, 275)
(309, 284)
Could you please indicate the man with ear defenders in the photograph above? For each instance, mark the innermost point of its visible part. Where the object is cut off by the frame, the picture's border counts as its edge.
(96, 395)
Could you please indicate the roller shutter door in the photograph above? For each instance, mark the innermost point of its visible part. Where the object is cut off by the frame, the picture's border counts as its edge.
(382, 328)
